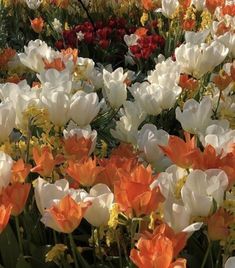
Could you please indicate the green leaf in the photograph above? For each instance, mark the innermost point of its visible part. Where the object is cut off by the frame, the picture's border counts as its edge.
(9, 248)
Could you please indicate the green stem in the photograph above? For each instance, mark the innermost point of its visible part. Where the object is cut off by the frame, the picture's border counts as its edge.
(18, 235)
(206, 255)
(119, 249)
(72, 245)
(99, 244)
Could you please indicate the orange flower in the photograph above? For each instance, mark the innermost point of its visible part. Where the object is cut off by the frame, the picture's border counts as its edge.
(77, 148)
(57, 64)
(5, 56)
(5, 212)
(84, 172)
(14, 79)
(20, 171)
(218, 225)
(222, 80)
(45, 162)
(229, 10)
(188, 83)
(189, 24)
(37, 24)
(178, 150)
(67, 53)
(16, 195)
(156, 251)
(133, 193)
(147, 4)
(185, 3)
(68, 214)
(125, 150)
(213, 4)
(141, 31)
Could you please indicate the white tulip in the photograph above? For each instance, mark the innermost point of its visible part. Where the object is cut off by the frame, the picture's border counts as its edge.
(228, 40)
(220, 136)
(230, 263)
(34, 54)
(198, 60)
(168, 8)
(6, 163)
(57, 103)
(115, 87)
(199, 4)
(196, 38)
(131, 40)
(33, 4)
(201, 188)
(46, 193)
(102, 199)
(7, 119)
(149, 138)
(84, 107)
(195, 116)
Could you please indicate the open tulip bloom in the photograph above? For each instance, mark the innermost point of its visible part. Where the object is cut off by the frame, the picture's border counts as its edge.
(117, 134)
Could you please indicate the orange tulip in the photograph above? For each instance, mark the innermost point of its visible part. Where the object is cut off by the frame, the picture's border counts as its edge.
(20, 171)
(133, 193)
(188, 83)
(5, 212)
(5, 56)
(211, 5)
(156, 251)
(125, 150)
(77, 148)
(67, 53)
(141, 31)
(84, 172)
(16, 195)
(68, 214)
(57, 64)
(45, 162)
(218, 225)
(178, 150)
(147, 4)
(37, 24)
(222, 80)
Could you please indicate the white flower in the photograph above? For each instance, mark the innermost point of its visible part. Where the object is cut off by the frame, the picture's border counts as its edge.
(165, 74)
(53, 80)
(131, 40)
(86, 133)
(6, 163)
(201, 188)
(80, 36)
(196, 38)
(168, 8)
(47, 193)
(57, 25)
(220, 136)
(33, 4)
(199, 4)
(228, 40)
(198, 60)
(84, 67)
(115, 87)
(84, 107)
(195, 116)
(230, 263)
(7, 119)
(102, 199)
(149, 138)
(57, 103)
(34, 54)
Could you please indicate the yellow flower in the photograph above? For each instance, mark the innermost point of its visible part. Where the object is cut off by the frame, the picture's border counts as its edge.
(113, 220)
(144, 18)
(56, 253)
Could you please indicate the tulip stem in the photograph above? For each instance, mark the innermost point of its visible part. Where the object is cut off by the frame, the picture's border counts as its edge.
(72, 245)
(206, 255)
(18, 234)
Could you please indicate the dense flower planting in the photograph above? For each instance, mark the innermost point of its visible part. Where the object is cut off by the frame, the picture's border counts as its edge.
(117, 133)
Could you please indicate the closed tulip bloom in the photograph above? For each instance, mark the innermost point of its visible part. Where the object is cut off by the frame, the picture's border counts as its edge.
(16, 195)
(37, 24)
(57, 103)
(20, 171)
(84, 107)
(5, 212)
(7, 119)
(66, 215)
(6, 163)
(101, 199)
(33, 4)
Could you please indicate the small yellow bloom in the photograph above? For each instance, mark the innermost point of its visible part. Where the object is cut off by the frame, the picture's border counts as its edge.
(144, 18)
(56, 253)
